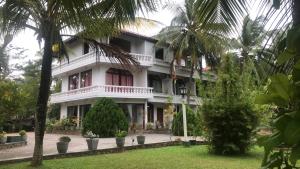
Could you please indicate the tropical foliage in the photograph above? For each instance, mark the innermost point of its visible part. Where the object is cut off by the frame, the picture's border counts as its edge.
(105, 118)
(194, 37)
(282, 147)
(194, 126)
(228, 115)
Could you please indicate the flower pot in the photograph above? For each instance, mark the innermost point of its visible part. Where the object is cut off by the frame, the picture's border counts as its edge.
(62, 147)
(140, 139)
(92, 143)
(3, 140)
(120, 141)
(193, 142)
(24, 138)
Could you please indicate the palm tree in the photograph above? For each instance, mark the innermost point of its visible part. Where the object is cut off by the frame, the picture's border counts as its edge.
(194, 38)
(50, 18)
(4, 57)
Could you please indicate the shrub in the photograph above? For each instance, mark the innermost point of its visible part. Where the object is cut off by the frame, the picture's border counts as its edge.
(229, 111)
(2, 134)
(105, 118)
(120, 134)
(22, 133)
(65, 139)
(192, 122)
(230, 126)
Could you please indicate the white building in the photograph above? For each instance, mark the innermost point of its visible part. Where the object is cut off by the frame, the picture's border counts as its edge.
(143, 92)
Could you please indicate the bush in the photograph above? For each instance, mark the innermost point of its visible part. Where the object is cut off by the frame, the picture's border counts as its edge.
(105, 118)
(193, 122)
(65, 139)
(230, 127)
(120, 134)
(22, 133)
(228, 112)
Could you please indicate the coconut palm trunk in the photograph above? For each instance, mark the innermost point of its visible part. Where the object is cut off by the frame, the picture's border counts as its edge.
(43, 96)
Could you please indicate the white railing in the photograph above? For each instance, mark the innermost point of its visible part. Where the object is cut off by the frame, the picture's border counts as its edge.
(90, 58)
(102, 91)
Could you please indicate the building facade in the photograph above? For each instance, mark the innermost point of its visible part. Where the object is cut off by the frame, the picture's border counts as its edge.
(142, 92)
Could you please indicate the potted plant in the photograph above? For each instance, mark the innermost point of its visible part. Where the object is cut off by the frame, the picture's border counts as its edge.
(92, 141)
(3, 137)
(63, 144)
(120, 138)
(140, 138)
(23, 135)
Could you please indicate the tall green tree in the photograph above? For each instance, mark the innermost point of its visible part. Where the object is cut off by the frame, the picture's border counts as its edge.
(50, 18)
(194, 38)
(10, 100)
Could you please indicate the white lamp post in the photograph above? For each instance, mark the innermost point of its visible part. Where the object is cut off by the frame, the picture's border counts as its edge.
(182, 90)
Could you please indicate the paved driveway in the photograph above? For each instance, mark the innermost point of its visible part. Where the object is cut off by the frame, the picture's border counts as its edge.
(77, 144)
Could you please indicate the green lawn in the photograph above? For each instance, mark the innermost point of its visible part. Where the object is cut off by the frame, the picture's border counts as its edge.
(168, 157)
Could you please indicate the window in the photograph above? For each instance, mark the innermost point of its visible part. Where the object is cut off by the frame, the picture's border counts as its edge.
(121, 43)
(74, 81)
(86, 48)
(118, 77)
(72, 112)
(159, 53)
(156, 83)
(86, 78)
(177, 84)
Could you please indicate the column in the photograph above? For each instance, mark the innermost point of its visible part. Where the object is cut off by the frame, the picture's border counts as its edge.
(78, 116)
(145, 114)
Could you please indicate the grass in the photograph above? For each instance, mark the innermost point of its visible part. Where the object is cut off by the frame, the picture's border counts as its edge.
(176, 157)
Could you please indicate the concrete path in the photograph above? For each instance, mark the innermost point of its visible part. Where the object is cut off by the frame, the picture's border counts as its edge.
(78, 143)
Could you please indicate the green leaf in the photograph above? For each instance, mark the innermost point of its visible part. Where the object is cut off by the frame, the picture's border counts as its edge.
(270, 99)
(285, 56)
(269, 142)
(292, 132)
(297, 65)
(280, 85)
(295, 155)
(281, 122)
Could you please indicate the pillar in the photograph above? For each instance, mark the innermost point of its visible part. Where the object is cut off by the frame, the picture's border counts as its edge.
(145, 114)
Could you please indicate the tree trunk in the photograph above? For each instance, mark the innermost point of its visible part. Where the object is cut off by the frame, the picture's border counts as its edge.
(44, 90)
(189, 88)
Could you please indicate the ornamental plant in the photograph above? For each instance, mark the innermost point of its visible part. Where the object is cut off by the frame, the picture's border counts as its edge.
(65, 139)
(120, 134)
(2, 134)
(22, 133)
(104, 118)
(229, 115)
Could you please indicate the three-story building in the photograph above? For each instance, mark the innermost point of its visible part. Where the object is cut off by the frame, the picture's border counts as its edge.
(142, 92)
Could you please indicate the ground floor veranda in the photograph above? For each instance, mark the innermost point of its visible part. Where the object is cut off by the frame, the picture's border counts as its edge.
(143, 114)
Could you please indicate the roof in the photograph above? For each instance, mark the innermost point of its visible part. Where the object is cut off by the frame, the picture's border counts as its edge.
(124, 32)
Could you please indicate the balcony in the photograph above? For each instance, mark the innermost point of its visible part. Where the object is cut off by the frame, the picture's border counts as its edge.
(102, 91)
(90, 58)
(176, 99)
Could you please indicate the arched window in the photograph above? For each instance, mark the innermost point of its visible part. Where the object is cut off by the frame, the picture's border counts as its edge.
(119, 77)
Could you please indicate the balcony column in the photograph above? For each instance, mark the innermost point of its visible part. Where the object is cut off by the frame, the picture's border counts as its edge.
(78, 116)
(145, 114)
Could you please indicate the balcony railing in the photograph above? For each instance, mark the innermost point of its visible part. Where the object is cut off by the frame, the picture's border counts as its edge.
(90, 58)
(102, 91)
